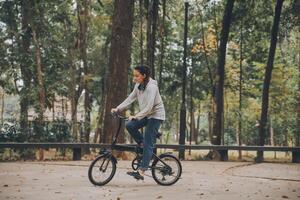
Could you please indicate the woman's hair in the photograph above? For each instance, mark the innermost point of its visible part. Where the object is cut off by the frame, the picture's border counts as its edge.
(144, 70)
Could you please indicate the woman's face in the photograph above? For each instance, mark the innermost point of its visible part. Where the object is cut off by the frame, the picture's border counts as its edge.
(138, 77)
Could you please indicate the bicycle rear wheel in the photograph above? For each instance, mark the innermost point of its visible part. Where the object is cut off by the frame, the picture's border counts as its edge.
(102, 169)
(167, 170)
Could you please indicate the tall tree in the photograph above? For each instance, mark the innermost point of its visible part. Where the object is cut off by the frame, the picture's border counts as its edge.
(211, 113)
(239, 131)
(35, 27)
(25, 70)
(217, 132)
(267, 80)
(192, 110)
(119, 63)
(183, 95)
(74, 92)
(83, 9)
(75, 85)
(40, 76)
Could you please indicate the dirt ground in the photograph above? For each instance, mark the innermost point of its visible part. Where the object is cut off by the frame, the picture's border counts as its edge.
(68, 180)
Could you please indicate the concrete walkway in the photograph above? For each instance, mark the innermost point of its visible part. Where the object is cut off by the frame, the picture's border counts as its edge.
(200, 180)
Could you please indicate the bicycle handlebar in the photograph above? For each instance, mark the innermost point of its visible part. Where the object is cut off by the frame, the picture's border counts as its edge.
(115, 114)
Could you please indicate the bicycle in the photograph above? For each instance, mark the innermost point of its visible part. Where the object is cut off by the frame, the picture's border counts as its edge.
(166, 169)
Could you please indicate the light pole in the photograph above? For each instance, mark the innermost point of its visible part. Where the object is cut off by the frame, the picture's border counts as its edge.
(184, 69)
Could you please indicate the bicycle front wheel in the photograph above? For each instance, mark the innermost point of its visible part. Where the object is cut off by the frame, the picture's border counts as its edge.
(166, 170)
(102, 170)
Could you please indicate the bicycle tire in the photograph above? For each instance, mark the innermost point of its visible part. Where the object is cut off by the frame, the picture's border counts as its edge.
(106, 158)
(155, 171)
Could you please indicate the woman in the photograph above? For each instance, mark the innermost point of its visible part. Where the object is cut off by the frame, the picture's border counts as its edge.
(151, 115)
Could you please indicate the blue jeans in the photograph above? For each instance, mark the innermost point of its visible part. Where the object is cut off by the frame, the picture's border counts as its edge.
(152, 126)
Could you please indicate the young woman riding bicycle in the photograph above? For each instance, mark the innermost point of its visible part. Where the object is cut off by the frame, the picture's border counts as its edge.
(151, 115)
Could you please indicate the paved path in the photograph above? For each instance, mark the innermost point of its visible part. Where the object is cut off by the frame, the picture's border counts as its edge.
(200, 180)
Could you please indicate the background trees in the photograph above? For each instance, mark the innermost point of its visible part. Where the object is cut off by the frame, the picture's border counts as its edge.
(79, 55)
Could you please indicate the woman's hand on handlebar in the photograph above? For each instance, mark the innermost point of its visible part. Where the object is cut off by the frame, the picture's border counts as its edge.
(114, 110)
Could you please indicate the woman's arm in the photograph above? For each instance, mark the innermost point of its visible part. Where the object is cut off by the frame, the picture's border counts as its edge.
(129, 100)
(151, 94)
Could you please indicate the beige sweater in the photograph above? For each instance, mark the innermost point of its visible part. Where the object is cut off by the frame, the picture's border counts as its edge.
(150, 102)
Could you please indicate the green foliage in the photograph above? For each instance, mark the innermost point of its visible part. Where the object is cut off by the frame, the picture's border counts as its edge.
(58, 32)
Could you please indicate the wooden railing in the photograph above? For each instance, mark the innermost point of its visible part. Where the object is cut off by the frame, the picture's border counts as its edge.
(222, 149)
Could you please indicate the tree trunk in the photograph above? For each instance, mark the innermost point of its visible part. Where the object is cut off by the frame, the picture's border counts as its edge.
(286, 140)
(99, 126)
(197, 132)
(205, 54)
(53, 107)
(24, 62)
(151, 32)
(297, 138)
(41, 86)
(225, 111)
(119, 63)
(216, 24)
(83, 9)
(72, 88)
(183, 100)
(272, 137)
(217, 132)
(2, 107)
(87, 116)
(62, 107)
(40, 76)
(99, 120)
(104, 82)
(162, 47)
(268, 74)
(211, 118)
(211, 114)
(192, 112)
(141, 32)
(239, 134)
(75, 88)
